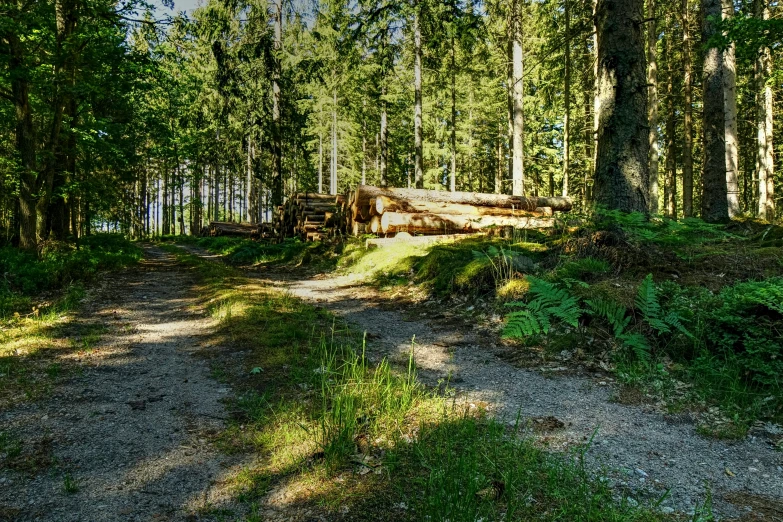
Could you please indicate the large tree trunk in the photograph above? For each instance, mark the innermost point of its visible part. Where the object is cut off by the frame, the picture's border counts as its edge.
(518, 153)
(687, 152)
(418, 131)
(730, 121)
(622, 169)
(714, 201)
(567, 94)
(453, 139)
(652, 102)
(765, 163)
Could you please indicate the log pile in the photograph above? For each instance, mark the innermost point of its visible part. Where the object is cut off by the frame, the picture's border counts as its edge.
(387, 211)
(226, 228)
(390, 211)
(311, 216)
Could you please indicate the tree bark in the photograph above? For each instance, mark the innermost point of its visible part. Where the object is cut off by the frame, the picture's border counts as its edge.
(652, 102)
(730, 120)
(687, 152)
(622, 169)
(714, 201)
(453, 169)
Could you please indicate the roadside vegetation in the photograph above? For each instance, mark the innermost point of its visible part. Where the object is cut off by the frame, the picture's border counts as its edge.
(359, 438)
(686, 315)
(37, 295)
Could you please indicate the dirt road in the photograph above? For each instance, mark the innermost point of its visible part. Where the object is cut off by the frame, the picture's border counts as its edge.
(130, 430)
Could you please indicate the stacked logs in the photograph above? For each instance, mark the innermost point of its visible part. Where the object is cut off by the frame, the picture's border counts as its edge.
(225, 228)
(388, 211)
(310, 216)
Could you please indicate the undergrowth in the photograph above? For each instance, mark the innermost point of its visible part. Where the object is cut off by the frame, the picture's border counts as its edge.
(359, 438)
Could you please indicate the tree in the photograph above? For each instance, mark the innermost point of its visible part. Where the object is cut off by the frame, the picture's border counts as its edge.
(714, 203)
(622, 171)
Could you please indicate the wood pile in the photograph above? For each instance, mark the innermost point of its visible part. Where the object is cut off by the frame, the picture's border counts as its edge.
(311, 216)
(390, 211)
(387, 211)
(225, 228)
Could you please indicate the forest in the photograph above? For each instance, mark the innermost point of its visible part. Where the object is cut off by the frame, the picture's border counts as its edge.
(114, 119)
(427, 260)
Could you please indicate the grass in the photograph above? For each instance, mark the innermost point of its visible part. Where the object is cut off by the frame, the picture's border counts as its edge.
(695, 266)
(358, 438)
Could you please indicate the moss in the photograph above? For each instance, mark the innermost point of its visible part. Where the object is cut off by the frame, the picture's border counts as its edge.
(514, 289)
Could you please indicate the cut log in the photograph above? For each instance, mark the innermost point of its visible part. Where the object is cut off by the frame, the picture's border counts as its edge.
(364, 193)
(375, 225)
(383, 204)
(221, 228)
(450, 224)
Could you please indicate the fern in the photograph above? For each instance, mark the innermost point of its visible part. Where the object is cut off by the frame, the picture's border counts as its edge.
(617, 316)
(550, 302)
(652, 313)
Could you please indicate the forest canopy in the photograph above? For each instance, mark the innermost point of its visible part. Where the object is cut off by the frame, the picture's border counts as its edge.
(114, 116)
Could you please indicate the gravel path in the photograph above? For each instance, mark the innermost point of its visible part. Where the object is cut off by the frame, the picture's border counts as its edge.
(645, 453)
(133, 427)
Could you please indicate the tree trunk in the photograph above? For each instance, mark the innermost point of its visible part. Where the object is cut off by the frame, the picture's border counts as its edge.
(622, 169)
(518, 171)
(765, 163)
(383, 139)
(567, 94)
(277, 146)
(418, 131)
(687, 152)
(714, 201)
(730, 121)
(652, 102)
(333, 169)
(453, 173)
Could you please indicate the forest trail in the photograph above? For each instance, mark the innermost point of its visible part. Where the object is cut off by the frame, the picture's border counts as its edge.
(645, 453)
(132, 427)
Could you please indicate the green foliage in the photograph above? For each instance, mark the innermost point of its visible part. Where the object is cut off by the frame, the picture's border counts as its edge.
(549, 302)
(582, 268)
(60, 265)
(659, 230)
(745, 329)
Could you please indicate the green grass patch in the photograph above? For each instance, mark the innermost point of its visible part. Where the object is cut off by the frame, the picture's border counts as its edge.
(360, 439)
